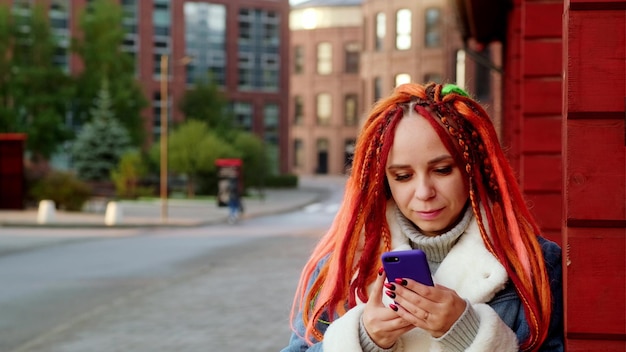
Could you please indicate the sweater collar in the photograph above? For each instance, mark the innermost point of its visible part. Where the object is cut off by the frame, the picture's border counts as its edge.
(435, 247)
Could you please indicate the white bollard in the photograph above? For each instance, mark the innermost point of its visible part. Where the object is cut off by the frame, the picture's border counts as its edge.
(47, 212)
(113, 214)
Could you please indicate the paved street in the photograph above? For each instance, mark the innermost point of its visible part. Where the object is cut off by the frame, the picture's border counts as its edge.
(238, 301)
(185, 287)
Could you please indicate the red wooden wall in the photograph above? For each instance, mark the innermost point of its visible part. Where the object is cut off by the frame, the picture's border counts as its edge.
(563, 127)
(532, 107)
(594, 207)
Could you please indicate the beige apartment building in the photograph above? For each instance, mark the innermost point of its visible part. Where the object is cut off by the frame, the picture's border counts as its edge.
(325, 87)
(346, 54)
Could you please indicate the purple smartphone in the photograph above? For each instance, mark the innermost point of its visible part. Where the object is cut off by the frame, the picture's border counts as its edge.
(410, 264)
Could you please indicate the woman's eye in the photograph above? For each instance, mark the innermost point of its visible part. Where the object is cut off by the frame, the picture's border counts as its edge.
(447, 170)
(402, 177)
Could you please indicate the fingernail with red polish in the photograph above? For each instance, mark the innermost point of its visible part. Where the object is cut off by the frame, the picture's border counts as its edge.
(402, 282)
(390, 294)
(393, 307)
(381, 271)
(392, 287)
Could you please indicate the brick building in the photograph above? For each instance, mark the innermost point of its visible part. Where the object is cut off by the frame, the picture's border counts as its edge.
(346, 54)
(243, 44)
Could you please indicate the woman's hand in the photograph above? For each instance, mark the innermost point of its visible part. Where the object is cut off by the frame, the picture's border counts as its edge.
(434, 309)
(383, 325)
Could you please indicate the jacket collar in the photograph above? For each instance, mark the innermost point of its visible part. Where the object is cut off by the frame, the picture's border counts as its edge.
(469, 269)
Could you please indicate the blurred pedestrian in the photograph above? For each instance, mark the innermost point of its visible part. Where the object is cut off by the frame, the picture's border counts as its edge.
(429, 173)
(235, 206)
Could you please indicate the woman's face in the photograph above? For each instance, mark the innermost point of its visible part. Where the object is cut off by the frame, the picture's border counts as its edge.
(426, 183)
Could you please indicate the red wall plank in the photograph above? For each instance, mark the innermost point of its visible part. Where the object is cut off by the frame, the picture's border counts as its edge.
(597, 81)
(542, 172)
(542, 96)
(543, 20)
(574, 345)
(546, 208)
(542, 134)
(595, 170)
(596, 285)
(542, 58)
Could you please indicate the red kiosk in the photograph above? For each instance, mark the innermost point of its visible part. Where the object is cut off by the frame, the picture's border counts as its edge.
(227, 170)
(12, 185)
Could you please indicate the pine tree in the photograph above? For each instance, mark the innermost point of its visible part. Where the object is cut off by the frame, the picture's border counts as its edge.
(101, 142)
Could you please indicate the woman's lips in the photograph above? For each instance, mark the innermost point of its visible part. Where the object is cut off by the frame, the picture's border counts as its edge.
(429, 215)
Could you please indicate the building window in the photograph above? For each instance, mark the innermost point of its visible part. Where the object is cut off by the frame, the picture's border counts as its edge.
(352, 57)
(402, 78)
(205, 41)
(242, 114)
(161, 19)
(380, 30)
(298, 153)
(432, 33)
(350, 118)
(298, 59)
(324, 58)
(161, 22)
(403, 29)
(298, 110)
(377, 88)
(258, 47)
(271, 115)
(324, 108)
(245, 67)
(59, 15)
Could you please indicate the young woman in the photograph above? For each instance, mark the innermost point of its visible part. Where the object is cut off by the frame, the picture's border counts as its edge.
(429, 173)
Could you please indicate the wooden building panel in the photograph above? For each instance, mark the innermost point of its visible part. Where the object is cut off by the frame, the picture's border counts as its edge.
(599, 345)
(541, 172)
(542, 134)
(546, 208)
(542, 58)
(543, 19)
(542, 96)
(596, 285)
(598, 61)
(595, 170)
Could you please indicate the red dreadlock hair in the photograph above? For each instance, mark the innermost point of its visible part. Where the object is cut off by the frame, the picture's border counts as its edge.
(360, 231)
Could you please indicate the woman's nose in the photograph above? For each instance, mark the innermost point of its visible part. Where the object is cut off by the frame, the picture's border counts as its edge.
(424, 189)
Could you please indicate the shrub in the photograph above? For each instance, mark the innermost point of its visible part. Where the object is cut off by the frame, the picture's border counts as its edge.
(281, 181)
(127, 175)
(63, 188)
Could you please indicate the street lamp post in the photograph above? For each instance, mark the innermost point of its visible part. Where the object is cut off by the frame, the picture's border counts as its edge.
(164, 127)
(164, 101)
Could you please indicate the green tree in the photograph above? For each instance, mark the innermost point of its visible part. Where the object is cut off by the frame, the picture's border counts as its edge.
(205, 102)
(192, 151)
(101, 142)
(127, 175)
(100, 51)
(8, 121)
(253, 155)
(36, 93)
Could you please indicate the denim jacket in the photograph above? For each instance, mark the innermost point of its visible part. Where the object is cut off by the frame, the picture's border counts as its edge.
(503, 322)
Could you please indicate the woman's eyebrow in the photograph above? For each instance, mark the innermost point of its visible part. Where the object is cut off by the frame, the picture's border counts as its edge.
(440, 158)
